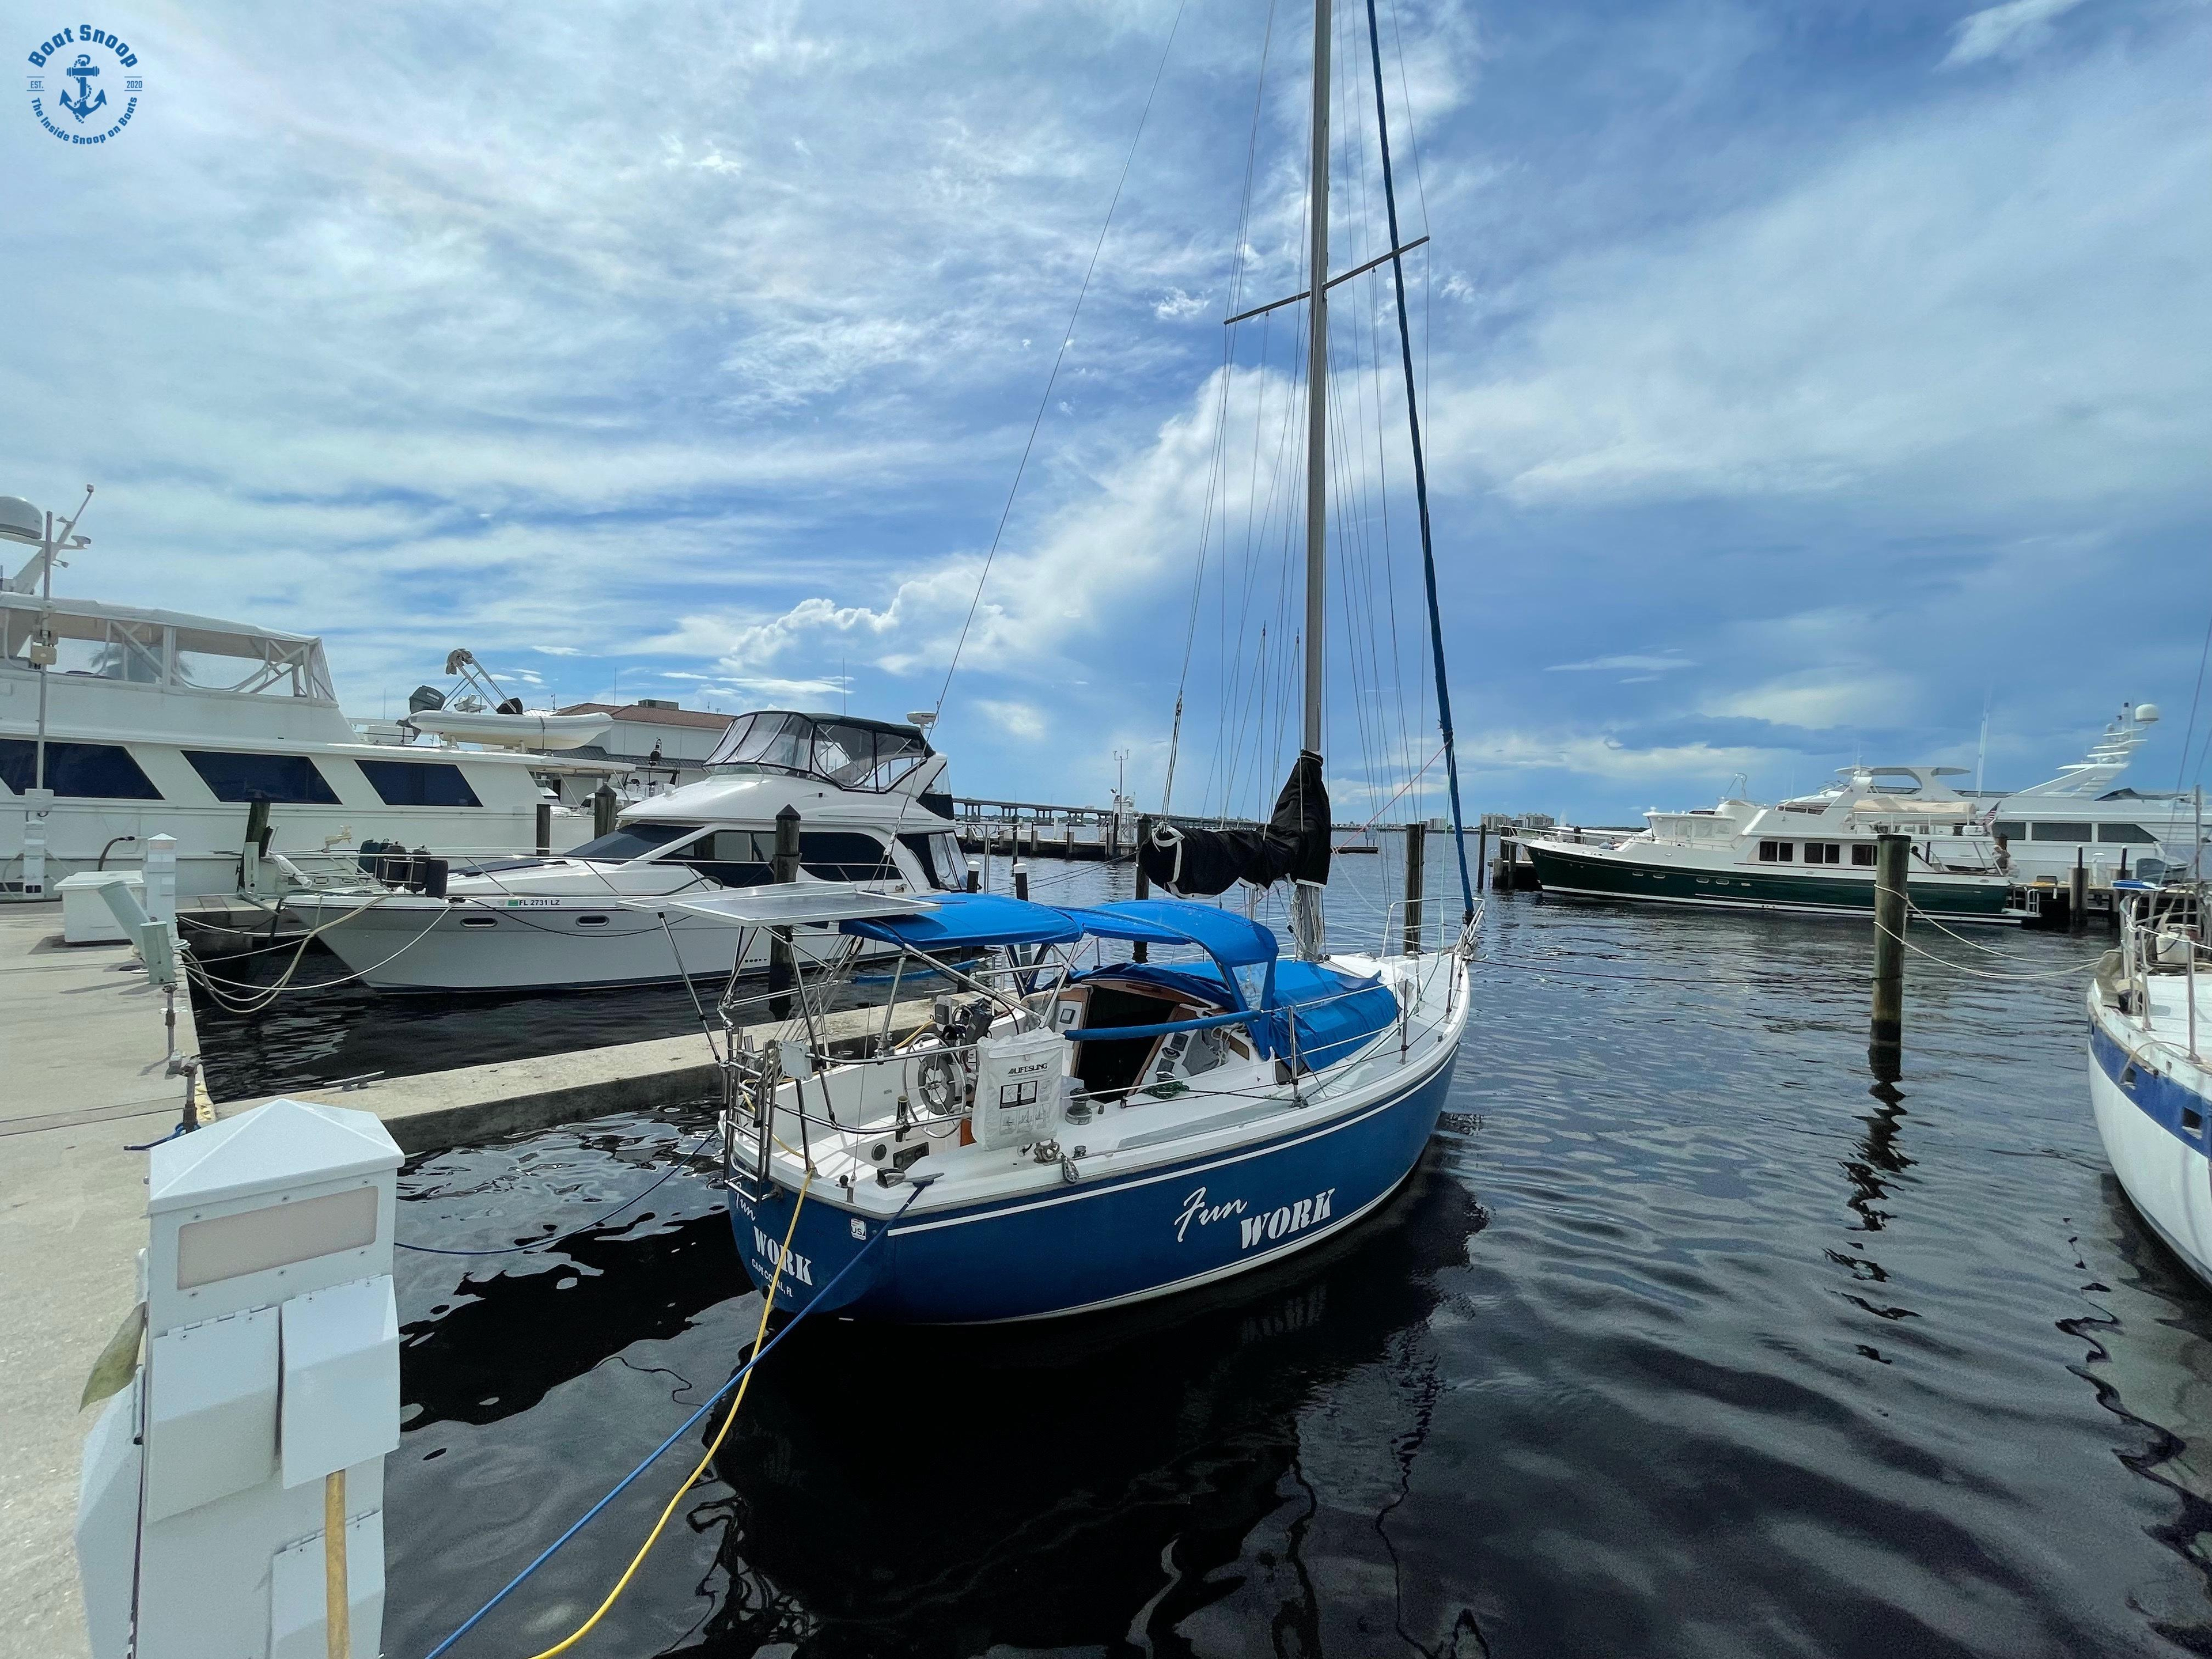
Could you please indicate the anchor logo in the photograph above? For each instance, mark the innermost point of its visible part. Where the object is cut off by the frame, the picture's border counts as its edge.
(81, 72)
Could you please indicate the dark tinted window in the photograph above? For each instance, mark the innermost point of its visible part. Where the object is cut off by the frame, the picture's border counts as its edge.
(95, 771)
(633, 841)
(289, 779)
(1862, 853)
(844, 855)
(735, 858)
(2126, 835)
(2061, 832)
(2009, 830)
(418, 783)
(919, 846)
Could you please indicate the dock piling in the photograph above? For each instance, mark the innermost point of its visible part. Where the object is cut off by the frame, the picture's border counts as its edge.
(544, 827)
(1144, 881)
(1417, 839)
(782, 959)
(603, 805)
(2077, 896)
(1886, 1035)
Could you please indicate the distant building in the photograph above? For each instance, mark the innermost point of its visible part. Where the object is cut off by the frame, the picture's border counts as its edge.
(656, 736)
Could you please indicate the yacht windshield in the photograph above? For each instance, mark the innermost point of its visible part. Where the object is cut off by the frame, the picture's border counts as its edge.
(634, 840)
(852, 754)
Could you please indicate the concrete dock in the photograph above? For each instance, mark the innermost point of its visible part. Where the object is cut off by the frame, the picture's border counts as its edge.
(83, 1077)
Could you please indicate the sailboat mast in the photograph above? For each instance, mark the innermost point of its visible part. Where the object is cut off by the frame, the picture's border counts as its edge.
(1317, 386)
(1307, 923)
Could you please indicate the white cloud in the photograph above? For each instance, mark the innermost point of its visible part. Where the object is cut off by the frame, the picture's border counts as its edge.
(1656, 665)
(1825, 699)
(1994, 303)
(1017, 720)
(2011, 30)
(1595, 756)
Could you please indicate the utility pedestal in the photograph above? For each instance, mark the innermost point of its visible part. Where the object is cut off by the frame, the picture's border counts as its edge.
(267, 1397)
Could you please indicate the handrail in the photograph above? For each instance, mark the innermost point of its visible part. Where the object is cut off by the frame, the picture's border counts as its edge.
(1112, 1033)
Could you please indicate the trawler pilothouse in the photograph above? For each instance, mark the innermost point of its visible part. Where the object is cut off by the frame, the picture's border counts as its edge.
(1813, 855)
(624, 908)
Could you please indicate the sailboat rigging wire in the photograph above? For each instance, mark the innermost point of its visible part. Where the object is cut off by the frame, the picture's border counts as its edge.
(1066, 336)
(1420, 479)
(1215, 470)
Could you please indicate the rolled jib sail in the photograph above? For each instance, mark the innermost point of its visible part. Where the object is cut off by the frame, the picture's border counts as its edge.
(1199, 863)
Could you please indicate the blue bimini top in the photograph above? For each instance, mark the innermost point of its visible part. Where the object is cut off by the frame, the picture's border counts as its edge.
(971, 921)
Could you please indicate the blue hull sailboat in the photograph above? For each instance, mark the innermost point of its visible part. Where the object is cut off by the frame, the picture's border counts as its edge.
(1079, 1128)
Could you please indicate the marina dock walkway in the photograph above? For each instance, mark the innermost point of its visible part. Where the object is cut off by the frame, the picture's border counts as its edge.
(82, 1074)
(83, 1077)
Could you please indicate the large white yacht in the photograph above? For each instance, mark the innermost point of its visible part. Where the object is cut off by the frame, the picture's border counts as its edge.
(2084, 815)
(624, 908)
(119, 723)
(1813, 855)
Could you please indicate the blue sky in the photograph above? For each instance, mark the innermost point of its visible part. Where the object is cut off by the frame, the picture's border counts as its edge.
(1798, 377)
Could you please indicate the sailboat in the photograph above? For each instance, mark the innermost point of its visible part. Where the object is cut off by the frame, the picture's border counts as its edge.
(1076, 1129)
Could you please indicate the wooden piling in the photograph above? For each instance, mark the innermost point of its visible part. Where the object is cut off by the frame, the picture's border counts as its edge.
(605, 805)
(1144, 881)
(544, 827)
(1886, 1034)
(782, 959)
(1482, 858)
(2077, 895)
(1417, 849)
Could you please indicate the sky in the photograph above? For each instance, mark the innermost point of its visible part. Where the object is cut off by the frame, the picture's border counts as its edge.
(1799, 381)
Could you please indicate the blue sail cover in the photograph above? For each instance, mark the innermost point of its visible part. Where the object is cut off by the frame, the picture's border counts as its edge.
(1337, 1013)
(971, 921)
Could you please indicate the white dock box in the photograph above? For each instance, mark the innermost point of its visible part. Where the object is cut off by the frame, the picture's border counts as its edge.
(86, 917)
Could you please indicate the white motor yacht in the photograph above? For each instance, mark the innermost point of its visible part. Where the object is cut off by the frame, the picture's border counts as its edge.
(1813, 855)
(2084, 815)
(622, 909)
(119, 723)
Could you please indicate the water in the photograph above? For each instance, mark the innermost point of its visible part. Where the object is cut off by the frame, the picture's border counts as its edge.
(1688, 1338)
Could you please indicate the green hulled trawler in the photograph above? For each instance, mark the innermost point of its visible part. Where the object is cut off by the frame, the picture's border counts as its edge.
(1813, 855)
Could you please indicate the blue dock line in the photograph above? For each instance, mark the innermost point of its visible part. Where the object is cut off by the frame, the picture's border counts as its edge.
(654, 1456)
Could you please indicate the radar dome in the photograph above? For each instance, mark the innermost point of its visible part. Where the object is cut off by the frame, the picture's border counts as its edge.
(2146, 714)
(20, 521)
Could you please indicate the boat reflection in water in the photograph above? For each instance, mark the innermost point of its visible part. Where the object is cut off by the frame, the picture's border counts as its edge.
(1088, 1483)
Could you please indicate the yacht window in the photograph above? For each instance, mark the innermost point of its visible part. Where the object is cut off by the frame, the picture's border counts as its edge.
(288, 780)
(418, 783)
(2127, 835)
(779, 742)
(1775, 852)
(2009, 830)
(844, 855)
(1862, 853)
(2062, 831)
(634, 840)
(939, 857)
(91, 771)
(1824, 851)
(735, 858)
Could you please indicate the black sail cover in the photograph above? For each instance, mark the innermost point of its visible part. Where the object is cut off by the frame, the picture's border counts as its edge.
(1199, 863)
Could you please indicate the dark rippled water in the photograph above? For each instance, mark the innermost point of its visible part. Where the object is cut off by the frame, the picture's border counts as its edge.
(1689, 1338)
